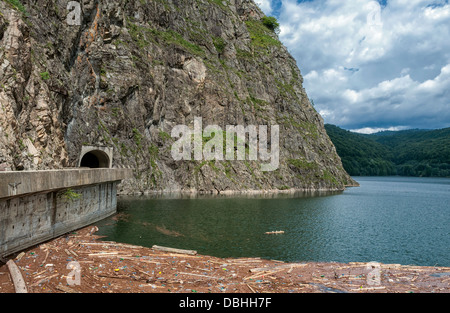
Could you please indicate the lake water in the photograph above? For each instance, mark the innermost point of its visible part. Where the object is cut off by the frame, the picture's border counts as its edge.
(387, 219)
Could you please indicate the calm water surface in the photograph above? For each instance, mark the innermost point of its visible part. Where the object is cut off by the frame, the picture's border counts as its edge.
(389, 220)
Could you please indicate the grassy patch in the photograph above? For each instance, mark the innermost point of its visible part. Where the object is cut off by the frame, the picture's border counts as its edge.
(69, 195)
(220, 44)
(175, 38)
(260, 35)
(143, 36)
(306, 129)
(164, 136)
(45, 75)
(220, 3)
(17, 5)
(328, 177)
(302, 164)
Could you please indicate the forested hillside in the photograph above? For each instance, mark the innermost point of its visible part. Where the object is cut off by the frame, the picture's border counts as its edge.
(407, 153)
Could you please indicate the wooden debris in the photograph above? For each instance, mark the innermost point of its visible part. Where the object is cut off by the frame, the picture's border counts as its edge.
(19, 283)
(140, 260)
(278, 232)
(43, 280)
(104, 253)
(107, 243)
(198, 275)
(368, 288)
(263, 274)
(173, 250)
(253, 290)
(46, 256)
(287, 266)
(65, 289)
(93, 230)
(114, 267)
(21, 254)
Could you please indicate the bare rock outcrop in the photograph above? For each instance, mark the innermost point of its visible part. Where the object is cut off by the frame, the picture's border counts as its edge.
(129, 71)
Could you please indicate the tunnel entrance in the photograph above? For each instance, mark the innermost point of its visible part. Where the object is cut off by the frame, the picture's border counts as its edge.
(95, 158)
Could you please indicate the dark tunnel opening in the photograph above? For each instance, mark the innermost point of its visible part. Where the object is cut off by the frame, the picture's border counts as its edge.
(95, 159)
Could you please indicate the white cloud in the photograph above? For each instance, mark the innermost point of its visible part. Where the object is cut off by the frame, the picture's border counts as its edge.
(349, 31)
(369, 130)
(400, 101)
(265, 5)
(371, 66)
(439, 84)
(438, 13)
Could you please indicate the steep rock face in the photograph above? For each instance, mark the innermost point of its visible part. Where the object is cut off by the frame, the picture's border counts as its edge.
(127, 72)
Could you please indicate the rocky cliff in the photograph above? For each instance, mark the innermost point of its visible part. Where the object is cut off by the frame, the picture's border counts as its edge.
(123, 73)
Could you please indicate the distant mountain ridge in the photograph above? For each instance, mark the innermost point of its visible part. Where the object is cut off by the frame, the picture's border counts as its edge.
(415, 152)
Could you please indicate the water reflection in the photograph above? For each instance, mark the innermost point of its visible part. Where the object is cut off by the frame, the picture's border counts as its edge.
(249, 195)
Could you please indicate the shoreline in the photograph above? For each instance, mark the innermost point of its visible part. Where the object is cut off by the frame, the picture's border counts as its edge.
(195, 192)
(110, 267)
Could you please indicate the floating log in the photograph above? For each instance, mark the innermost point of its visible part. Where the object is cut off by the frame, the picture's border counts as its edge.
(173, 250)
(280, 267)
(279, 232)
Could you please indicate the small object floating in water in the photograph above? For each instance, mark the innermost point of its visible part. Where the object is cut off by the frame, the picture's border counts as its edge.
(279, 232)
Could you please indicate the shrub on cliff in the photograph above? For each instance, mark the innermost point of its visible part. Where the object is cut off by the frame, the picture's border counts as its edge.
(271, 23)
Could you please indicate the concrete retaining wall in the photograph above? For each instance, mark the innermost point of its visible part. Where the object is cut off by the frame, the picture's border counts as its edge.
(13, 184)
(37, 209)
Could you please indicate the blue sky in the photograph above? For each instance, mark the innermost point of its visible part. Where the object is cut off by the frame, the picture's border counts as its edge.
(371, 65)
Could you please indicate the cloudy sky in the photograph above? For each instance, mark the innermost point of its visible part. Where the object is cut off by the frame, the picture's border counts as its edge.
(371, 65)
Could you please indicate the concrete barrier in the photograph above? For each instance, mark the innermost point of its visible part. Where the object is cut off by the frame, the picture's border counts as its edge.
(13, 184)
(36, 206)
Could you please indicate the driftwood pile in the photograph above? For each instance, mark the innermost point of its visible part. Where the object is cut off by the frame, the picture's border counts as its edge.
(80, 263)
